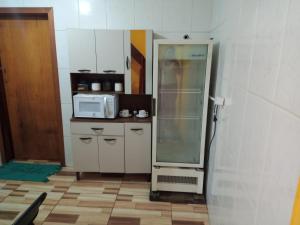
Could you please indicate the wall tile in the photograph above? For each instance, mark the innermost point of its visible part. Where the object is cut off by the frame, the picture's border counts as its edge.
(66, 14)
(287, 93)
(201, 15)
(65, 86)
(61, 38)
(66, 116)
(93, 14)
(260, 150)
(254, 136)
(67, 112)
(264, 67)
(11, 3)
(148, 14)
(120, 14)
(248, 18)
(38, 3)
(68, 151)
(177, 15)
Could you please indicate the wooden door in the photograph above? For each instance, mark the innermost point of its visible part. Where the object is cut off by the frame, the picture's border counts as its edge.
(27, 51)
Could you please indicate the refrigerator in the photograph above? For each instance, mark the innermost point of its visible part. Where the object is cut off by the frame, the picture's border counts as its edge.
(181, 76)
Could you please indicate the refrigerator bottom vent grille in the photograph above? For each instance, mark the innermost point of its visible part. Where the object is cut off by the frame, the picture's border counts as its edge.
(177, 179)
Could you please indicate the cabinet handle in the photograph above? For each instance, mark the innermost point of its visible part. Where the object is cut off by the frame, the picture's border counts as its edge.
(127, 63)
(110, 139)
(153, 106)
(84, 70)
(136, 129)
(86, 140)
(109, 71)
(96, 129)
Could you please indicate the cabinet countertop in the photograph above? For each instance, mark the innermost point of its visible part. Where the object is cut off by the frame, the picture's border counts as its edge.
(116, 120)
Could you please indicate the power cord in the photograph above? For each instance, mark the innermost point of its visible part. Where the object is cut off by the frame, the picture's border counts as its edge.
(215, 119)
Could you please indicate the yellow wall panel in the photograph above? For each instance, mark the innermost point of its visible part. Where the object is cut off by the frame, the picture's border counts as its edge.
(296, 211)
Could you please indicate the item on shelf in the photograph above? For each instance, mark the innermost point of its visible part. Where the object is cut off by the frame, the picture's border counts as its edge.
(125, 113)
(82, 87)
(107, 86)
(96, 86)
(142, 114)
(118, 86)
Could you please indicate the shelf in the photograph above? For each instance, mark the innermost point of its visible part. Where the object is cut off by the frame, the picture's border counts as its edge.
(165, 117)
(182, 91)
(98, 92)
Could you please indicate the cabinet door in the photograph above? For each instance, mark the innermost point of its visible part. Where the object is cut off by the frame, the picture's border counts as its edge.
(85, 153)
(111, 154)
(110, 51)
(138, 148)
(82, 50)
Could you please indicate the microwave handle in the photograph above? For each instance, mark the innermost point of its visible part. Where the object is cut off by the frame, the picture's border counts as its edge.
(105, 107)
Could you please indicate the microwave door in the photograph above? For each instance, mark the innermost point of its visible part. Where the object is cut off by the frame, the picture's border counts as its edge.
(90, 107)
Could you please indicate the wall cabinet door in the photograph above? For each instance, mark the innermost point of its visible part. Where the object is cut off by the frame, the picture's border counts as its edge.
(110, 51)
(82, 50)
(85, 153)
(111, 154)
(138, 148)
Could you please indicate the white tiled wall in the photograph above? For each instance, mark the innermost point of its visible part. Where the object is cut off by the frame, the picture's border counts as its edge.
(255, 159)
(168, 18)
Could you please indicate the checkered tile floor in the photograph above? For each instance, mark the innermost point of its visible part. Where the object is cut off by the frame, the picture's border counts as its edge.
(94, 202)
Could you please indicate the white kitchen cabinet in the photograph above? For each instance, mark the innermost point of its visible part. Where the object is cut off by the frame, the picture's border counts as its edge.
(82, 50)
(111, 154)
(111, 147)
(85, 153)
(110, 51)
(138, 148)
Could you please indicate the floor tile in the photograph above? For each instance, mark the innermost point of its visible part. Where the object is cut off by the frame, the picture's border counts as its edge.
(95, 200)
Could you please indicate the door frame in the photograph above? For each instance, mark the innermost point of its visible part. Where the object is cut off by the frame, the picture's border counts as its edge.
(46, 12)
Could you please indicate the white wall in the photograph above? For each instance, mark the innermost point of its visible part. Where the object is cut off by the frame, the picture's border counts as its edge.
(255, 160)
(168, 18)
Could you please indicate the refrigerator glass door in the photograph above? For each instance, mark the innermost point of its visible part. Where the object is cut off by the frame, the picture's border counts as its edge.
(181, 86)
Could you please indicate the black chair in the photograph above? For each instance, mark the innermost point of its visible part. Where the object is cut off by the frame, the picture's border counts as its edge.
(30, 214)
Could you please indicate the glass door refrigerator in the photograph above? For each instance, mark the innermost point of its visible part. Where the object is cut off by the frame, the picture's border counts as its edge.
(181, 74)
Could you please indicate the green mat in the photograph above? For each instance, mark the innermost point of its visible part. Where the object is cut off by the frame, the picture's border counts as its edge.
(28, 171)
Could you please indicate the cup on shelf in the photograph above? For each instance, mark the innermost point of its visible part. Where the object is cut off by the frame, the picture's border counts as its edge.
(124, 113)
(118, 87)
(142, 113)
(96, 87)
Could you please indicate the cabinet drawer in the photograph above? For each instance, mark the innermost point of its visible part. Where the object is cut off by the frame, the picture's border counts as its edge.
(138, 148)
(95, 128)
(111, 154)
(85, 153)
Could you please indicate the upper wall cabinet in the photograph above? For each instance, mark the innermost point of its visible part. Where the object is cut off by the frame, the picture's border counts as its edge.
(82, 54)
(110, 51)
(128, 53)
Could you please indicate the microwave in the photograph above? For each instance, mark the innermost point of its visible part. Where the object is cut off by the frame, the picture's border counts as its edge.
(96, 105)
